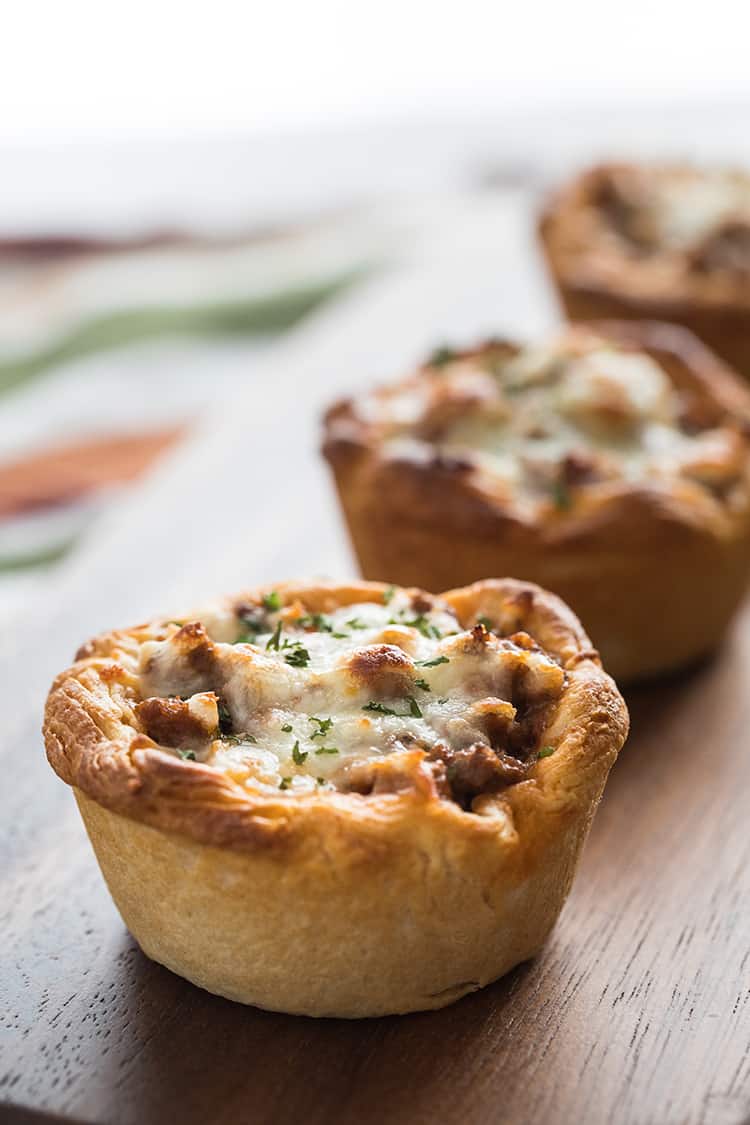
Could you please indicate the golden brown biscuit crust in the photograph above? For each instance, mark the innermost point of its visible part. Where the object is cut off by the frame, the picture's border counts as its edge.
(337, 903)
(654, 568)
(598, 278)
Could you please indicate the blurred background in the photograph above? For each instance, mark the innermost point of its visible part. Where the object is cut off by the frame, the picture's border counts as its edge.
(193, 198)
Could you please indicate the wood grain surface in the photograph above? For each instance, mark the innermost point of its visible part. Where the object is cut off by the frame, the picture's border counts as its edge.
(638, 1010)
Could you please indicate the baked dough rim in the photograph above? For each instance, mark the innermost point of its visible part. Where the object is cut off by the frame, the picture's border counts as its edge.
(449, 494)
(92, 749)
(599, 271)
(652, 549)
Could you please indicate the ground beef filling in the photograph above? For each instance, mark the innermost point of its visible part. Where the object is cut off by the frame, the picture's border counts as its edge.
(486, 741)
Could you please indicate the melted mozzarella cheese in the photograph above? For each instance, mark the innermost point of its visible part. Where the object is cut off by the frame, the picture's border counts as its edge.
(614, 410)
(686, 208)
(307, 697)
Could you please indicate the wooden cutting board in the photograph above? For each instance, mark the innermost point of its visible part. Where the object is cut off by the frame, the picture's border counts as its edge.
(638, 1010)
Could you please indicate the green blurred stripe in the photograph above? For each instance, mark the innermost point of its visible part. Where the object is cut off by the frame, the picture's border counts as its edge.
(43, 556)
(251, 316)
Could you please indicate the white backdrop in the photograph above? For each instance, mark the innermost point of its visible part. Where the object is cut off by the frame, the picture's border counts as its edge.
(86, 67)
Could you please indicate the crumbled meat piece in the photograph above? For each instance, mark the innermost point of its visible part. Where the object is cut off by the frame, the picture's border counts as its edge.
(579, 468)
(525, 733)
(185, 723)
(477, 769)
(497, 717)
(421, 603)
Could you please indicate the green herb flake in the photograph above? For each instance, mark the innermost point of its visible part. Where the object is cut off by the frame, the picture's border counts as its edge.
(489, 625)
(298, 756)
(323, 725)
(432, 663)
(388, 595)
(285, 783)
(425, 627)
(423, 685)
(320, 780)
(326, 750)
(271, 601)
(441, 357)
(287, 728)
(225, 719)
(443, 700)
(246, 638)
(356, 623)
(340, 636)
(546, 751)
(316, 622)
(297, 655)
(187, 755)
(273, 641)
(239, 739)
(381, 708)
(561, 497)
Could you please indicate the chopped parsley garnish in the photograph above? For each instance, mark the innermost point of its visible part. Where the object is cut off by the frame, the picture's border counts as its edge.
(239, 739)
(561, 496)
(297, 655)
(443, 700)
(246, 637)
(320, 780)
(489, 625)
(381, 708)
(286, 728)
(356, 623)
(252, 622)
(272, 601)
(441, 356)
(273, 641)
(546, 751)
(432, 663)
(388, 595)
(187, 755)
(323, 725)
(339, 636)
(285, 783)
(225, 719)
(298, 756)
(326, 750)
(423, 685)
(318, 622)
(425, 627)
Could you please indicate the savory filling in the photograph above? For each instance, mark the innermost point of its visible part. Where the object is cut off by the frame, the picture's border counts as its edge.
(545, 423)
(703, 216)
(358, 699)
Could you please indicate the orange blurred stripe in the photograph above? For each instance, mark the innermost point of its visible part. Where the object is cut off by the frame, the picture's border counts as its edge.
(65, 473)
